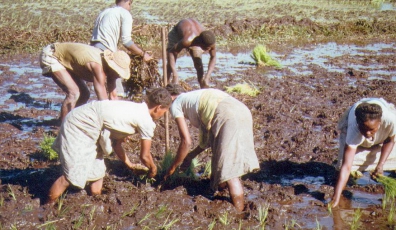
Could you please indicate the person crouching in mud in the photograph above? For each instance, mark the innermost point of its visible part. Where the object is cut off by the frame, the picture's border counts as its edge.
(368, 130)
(83, 129)
(227, 132)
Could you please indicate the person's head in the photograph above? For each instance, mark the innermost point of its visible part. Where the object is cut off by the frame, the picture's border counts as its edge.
(208, 40)
(158, 101)
(126, 4)
(368, 117)
(174, 90)
(117, 64)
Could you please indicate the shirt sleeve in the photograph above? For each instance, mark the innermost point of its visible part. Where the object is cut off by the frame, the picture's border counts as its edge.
(176, 109)
(126, 28)
(353, 138)
(146, 129)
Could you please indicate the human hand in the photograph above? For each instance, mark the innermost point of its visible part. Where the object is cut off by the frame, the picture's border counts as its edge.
(334, 202)
(378, 171)
(152, 172)
(147, 57)
(171, 170)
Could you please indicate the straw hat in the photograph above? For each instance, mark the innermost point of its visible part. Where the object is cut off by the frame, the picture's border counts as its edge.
(119, 61)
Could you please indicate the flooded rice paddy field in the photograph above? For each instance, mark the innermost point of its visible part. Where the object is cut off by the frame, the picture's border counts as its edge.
(295, 118)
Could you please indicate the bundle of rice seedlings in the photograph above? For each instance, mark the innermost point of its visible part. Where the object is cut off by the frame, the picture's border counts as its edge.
(143, 76)
(166, 163)
(244, 88)
(46, 147)
(263, 58)
(390, 189)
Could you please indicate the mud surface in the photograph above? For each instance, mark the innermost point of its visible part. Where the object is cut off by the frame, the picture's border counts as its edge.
(295, 119)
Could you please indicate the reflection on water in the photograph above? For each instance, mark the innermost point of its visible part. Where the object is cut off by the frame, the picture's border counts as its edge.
(299, 61)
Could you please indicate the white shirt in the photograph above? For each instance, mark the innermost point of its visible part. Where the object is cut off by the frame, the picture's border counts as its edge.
(387, 128)
(186, 105)
(111, 25)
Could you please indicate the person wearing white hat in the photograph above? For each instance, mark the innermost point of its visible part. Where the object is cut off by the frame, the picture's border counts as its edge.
(71, 64)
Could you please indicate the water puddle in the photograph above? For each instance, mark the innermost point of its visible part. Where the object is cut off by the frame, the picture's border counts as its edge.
(298, 62)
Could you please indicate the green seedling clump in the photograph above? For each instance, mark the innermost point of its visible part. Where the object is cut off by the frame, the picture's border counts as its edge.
(46, 147)
(167, 162)
(244, 88)
(263, 58)
(390, 189)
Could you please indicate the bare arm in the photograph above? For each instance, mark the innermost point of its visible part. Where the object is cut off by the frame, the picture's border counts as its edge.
(146, 158)
(119, 150)
(212, 62)
(386, 149)
(344, 174)
(184, 147)
(138, 51)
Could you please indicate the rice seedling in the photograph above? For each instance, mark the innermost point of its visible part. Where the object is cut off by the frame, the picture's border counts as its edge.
(391, 214)
(318, 226)
(131, 211)
(11, 192)
(1, 200)
(263, 58)
(390, 189)
(46, 147)
(49, 224)
(212, 224)
(356, 219)
(161, 211)
(244, 88)
(145, 217)
(208, 169)
(166, 163)
(263, 214)
(79, 221)
(61, 199)
(224, 219)
(167, 225)
(329, 209)
(92, 213)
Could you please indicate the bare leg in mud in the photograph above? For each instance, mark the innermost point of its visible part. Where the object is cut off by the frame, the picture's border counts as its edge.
(236, 192)
(96, 187)
(59, 186)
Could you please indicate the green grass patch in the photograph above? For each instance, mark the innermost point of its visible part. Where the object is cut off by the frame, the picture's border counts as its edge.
(46, 147)
(245, 88)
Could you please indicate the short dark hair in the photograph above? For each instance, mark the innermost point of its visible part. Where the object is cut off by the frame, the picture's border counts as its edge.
(208, 38)
(158, 96)
(366, 111)
(174, 89)
(119, 1)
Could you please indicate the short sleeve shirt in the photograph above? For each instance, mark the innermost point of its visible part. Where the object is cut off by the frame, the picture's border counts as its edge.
(135, 117)
(113, 24)
(387, 128)
(186, 105)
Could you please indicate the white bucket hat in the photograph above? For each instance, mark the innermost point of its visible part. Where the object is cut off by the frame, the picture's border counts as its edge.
(119, 61)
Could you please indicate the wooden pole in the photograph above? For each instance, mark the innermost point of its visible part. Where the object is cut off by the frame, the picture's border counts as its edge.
(165, 80)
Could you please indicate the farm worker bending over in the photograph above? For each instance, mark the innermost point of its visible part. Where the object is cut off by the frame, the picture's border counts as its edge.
(70, 64)
(190, 34)
(114, 24)
(80, 136)
(225, 125)
(367, 136)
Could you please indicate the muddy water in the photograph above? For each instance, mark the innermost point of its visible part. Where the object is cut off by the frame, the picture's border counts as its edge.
(298, 61)
(29, 102)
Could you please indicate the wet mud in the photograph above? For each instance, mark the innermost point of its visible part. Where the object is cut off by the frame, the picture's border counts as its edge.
(295, 119)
